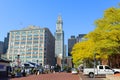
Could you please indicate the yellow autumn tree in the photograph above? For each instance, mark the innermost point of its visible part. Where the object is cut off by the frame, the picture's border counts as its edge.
(108, 32)
(104, 40)
(81, 51)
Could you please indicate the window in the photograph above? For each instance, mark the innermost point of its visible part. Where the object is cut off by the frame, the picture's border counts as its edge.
(16, 42)
(28, 53)
(40, 45)
(106, 67)
(28, 49)
(35, 52)
(35, 34)
(29, 38)
(41, 30)
(23, 38)
(40, 49)
(16, 47)
(23, 33)
(12, 36)
(17, 37)
(40, 56)
(100, 67)
(35, 45)
(29, 34)
(40, 53)
(36, 38)
(34, 56)
(36, 42)
(36, 31)
(17, 33)
(12, 33)
(28, 56)
(29, 42)
(41, 41)
(41, 35)
(35, 48)
(22, 42)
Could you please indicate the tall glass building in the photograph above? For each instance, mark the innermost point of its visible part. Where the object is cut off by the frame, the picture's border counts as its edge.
(33, 44)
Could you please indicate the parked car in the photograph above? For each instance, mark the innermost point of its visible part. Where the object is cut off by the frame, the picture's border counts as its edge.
(74, 71)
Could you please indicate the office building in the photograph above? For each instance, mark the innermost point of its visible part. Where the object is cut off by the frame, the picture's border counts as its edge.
(1, 47)
(71, 43)
(80, 37)
(6, 41)
(32, 44)
(74, 40)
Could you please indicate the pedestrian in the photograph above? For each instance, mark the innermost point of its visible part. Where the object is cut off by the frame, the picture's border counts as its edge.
(54, 71)
(38, 72)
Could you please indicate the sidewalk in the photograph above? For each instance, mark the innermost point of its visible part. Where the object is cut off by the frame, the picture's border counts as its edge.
(113, 77)
(83, 77)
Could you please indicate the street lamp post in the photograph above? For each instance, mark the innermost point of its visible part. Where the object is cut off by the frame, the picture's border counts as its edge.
(18, 60)
(37, 63)
(95, 62)
(13, 63)
(61, 64)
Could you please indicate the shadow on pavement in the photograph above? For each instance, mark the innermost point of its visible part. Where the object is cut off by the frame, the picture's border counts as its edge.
(4, 78)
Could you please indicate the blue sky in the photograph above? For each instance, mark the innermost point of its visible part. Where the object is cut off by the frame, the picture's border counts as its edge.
(78, 15)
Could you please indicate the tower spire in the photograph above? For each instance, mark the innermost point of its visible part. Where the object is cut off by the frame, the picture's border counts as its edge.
(59, 20)
(59, 23)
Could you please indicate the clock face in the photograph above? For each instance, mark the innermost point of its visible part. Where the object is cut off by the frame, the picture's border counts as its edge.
(58, 27)
(58, 36)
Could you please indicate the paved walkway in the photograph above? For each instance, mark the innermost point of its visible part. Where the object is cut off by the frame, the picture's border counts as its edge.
(51, 76)
(64, 76)
(113, 77)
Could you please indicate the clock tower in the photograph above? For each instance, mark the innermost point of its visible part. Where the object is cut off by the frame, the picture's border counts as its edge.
(59, 41)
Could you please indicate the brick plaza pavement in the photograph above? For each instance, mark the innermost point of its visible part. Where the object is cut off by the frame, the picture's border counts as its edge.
(60, 76)
(50, 76)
